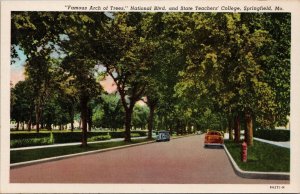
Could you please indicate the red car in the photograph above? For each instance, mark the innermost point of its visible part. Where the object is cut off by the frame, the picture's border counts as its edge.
(213, 138)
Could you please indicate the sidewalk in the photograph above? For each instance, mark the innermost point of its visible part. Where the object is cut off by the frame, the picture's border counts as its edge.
(71, 144)
(285, 144)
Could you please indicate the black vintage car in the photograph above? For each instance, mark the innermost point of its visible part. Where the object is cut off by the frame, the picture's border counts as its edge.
(163, 136)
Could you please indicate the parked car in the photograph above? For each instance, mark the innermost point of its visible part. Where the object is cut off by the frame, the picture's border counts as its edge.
(163, 136)
(213, 138)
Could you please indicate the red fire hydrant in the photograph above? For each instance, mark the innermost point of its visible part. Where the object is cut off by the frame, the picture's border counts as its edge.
(244, 152)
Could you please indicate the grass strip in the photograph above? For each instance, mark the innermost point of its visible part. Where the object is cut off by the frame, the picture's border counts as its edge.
(40, 153)
(262, 157)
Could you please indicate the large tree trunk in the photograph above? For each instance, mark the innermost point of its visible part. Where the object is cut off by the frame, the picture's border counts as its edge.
(37, 118)
(48, 127)
(249, 128)
(29, 125)
(230, 127)
(72, 119)
(178, 129)
(23, 125)
(83, 104)
(128, 117)
(150, 121)
(237, 128)
(72, 125)
(90, 114)
(171, 131)
(18, 124)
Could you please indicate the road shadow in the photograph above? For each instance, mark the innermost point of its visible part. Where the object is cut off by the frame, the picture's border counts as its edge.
(213, 147)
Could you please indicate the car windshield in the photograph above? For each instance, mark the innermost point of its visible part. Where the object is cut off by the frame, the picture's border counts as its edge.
(213, 133)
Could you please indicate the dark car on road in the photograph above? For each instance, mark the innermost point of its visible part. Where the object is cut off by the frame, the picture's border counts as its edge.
(163, 136)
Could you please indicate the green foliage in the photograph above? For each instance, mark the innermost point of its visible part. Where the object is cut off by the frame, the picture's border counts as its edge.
(138, 133)
(140, 116)
(135, 135)
(26, 135)
(70, 137)
(141, 133)
(99, 138)
(30, 142)
(273, 135)
(22, 104)
(117, 134)
(109, 112)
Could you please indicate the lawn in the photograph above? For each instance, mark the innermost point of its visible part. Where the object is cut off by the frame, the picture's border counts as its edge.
(262, 157)
(35, 154)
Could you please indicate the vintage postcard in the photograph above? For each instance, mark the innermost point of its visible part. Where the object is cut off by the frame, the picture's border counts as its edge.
(150, 96)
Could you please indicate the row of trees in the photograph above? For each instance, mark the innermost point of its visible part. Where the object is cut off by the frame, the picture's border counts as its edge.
(190, 68)
(105, 112)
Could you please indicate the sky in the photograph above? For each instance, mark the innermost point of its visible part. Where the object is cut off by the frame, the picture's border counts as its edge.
(17, 68)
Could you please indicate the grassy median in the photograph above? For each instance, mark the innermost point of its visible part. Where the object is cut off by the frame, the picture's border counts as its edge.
(35, 154)
(262, 157)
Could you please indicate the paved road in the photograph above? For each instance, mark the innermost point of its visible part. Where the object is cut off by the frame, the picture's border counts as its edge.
(179, 161)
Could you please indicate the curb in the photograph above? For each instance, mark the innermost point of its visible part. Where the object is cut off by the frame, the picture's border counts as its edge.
(28, 163)
(254, 174)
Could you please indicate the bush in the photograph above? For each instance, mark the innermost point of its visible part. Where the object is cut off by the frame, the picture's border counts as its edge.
(28, 135)
(273, 135)
(71, 137)
(121, 134)
(99, 138)
(135, 135)
(117, 134)
(67, 137)
(34, 139)
(141, 133)
(30, 142)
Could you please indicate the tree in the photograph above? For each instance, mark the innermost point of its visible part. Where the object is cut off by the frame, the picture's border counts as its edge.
(140, 116)
(23, 107)
(35, 33)
(224, 57)
(276, 61)
(79, 64)
(165, 62)
(55, 111)
(42, 34)
(125, 62)
(109, 112)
